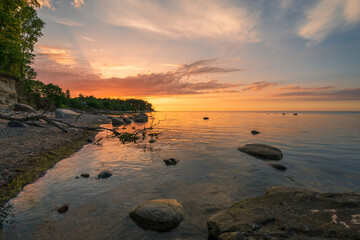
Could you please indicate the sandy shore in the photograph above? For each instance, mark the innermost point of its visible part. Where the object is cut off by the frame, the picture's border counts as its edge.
(26, 153)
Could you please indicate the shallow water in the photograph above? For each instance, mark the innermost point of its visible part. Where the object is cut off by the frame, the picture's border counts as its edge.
(321, 151)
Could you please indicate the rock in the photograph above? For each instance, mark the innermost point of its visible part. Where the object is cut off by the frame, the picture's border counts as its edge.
(295, 114)
(152, 140)
(85, 175)
(277, 166)
(171, 161)
(205, 118)
(262, 151)
(117, 122)
(17, 124)
(283, 113)
(66, 113)
(90, 140)
(104, 174)
(64, 208)
(254, 132)
(289, 212)
(127, 120)
(24, 108)
(158, 215)
(141, 117)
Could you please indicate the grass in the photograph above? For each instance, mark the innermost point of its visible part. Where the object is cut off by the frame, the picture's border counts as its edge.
(39, 164)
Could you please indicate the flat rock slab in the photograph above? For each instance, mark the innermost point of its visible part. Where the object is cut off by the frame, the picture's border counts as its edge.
(262, 151)
(290, 213)
(158, 215)
(66, 113)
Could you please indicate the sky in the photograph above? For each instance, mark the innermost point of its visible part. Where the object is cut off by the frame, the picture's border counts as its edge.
(205, 55)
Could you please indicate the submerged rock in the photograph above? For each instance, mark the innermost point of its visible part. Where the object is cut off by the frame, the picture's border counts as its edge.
(262, 151)
(159, 214)
(171, 161)
(117, 122)
(205, 118)
(104, 174)
(24, 108)
(289, 212)
(277, 166)
(64, 208)
(17, 124)
(85, 175)
(141, 117)
(66, 113)
(295, 114)
(254, 132)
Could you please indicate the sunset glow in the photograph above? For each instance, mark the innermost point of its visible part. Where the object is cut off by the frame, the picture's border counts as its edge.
(212, 55)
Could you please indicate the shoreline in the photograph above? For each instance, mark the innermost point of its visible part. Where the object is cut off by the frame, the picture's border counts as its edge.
(27, 153)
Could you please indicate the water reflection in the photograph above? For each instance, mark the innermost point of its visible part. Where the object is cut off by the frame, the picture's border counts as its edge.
(212, 174)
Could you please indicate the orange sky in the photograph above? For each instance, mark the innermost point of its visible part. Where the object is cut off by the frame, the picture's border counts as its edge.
(206, 55)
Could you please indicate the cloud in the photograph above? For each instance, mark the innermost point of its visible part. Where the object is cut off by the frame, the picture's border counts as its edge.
(320, 93)
(183, 19)
(257, 86)
(141, 85)
(88, 39)
(298, 88)
(69, 23)
(77, 3)
(59, 55)
(46, 3)
(327, 16)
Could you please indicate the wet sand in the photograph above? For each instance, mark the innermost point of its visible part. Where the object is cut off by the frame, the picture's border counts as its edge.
(23, 150)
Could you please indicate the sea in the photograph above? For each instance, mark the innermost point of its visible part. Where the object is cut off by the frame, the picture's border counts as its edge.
(321, 151)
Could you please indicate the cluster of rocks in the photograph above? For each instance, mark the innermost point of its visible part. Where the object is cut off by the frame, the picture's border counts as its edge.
(124, 120)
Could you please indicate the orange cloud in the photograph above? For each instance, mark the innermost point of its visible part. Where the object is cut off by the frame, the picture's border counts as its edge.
(57, 54)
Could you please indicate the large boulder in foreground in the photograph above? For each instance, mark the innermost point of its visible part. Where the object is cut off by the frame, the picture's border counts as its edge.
(141, 118)
(66, 113)
(262, 151)
(158, 215)
(290, 213)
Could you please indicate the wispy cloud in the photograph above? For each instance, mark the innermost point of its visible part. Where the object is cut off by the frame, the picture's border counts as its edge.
(319, 93)
(149, 84)
(257, 86)
(88, 39)
(327, 16)
(183, 19)
(68, 23)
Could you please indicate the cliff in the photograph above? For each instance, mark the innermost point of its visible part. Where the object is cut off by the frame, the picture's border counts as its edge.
(8, 91)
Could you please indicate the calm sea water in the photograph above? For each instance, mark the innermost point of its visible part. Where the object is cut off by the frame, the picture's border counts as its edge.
(321, 151)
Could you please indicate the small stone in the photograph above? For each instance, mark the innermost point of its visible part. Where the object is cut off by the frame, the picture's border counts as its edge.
(77, 177)
(277, 166)
(17, 124)
(254, 132)
(205, 118)
(152, 140)
(171, 161)
(85, 175)
(104, 174)
(64, 208)
(295, 114)
(90, 140)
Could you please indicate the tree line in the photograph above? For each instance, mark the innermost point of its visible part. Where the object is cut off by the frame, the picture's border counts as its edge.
(20, 28)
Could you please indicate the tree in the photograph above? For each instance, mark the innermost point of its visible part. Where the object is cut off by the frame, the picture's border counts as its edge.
(20, 28)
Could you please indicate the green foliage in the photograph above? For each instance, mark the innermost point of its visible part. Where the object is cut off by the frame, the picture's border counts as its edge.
(20, 28)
